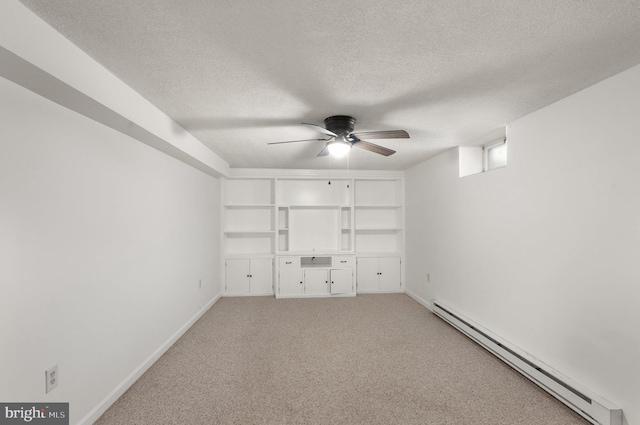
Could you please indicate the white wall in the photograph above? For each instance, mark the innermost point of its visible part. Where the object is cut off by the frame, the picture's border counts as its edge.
(103, 241)
(36, 56)
(545, 252)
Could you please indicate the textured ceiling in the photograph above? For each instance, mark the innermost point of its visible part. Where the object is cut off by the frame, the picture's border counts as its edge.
(238, 74)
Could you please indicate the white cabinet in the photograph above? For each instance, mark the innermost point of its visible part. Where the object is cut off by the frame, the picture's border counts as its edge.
(300, 281)
(316, 281)
(249, 276)
(304, 282)
(314, 228)
(290, 282)
(341, 281)
(320, 276)
(320, 282)
(379, 274)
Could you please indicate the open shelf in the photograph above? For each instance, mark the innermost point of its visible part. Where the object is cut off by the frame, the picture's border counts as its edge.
(345, 218)
(308, 215)
(321, 261)
(387, 241)
(346, 238)
(378, 193)
(248, 217)
(283, 217)
(249, 242)
(243, 192)
(283, 240)
(378, 218)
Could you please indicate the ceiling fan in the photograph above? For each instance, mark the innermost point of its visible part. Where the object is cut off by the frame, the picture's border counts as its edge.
(340, 128)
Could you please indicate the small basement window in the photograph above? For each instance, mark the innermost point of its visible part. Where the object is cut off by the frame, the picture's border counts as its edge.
(495, 155)
(479, 159)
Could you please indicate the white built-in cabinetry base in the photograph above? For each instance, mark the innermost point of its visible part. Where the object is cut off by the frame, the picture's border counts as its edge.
(315, 276)
(379, 274)
(249, 276)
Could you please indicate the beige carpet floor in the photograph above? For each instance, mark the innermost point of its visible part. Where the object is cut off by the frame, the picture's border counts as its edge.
(372, 359)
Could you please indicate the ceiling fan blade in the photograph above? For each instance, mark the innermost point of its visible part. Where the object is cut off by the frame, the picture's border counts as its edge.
(296, 141)
(390, 134)
(320, 129)
(373, 148)
(323, 152)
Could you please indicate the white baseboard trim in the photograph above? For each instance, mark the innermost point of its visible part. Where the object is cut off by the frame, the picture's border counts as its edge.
(284, 297)
(231, 295)
(401, 291)
(102, 407)
(420, 300)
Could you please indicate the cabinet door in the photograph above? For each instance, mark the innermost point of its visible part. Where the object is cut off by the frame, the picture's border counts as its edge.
(367, 275)
(261, 276)
(316, 281)
(290, 281)
(389, 269)
(237, 276)
(341, 281)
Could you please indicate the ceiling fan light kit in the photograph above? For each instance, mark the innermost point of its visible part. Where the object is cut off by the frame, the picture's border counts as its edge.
(339, 147)
(340, 128)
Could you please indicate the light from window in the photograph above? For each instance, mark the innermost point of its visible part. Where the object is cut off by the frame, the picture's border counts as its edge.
(495, 155)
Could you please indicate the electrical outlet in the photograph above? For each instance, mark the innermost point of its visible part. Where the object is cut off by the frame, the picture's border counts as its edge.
(51, 376)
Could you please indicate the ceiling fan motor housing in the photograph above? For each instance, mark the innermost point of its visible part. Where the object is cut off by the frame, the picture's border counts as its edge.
(340, 129)
(340, 124)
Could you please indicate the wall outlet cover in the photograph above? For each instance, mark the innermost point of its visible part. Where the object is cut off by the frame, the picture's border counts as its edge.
(51, 376)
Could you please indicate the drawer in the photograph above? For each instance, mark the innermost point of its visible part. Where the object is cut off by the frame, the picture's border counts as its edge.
(289, 262)
(344, 262)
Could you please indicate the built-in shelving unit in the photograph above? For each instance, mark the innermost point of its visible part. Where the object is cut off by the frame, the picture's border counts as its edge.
(314, 215)
(249, 217)
(274, 217)
(379, 217)
(283, 229)
(346, 229)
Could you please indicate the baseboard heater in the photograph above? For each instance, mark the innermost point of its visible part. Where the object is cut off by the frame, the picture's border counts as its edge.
(592, 407)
